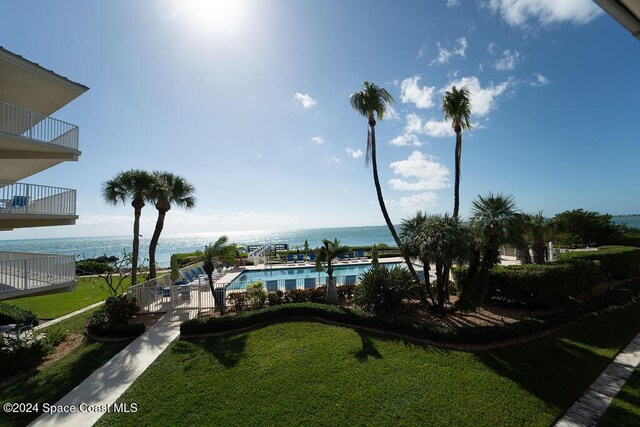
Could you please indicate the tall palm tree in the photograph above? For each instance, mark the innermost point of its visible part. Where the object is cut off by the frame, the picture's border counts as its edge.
(371, 102)
(327, 253)
(168, 190)
(134, 185)
(456, 106)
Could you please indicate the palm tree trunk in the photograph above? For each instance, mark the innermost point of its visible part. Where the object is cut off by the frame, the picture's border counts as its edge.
(154, 243)
(332, 291)
(456, 188)
(136, 242)
(383, 208)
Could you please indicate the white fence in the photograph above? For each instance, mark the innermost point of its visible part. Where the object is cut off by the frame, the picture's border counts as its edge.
(23, 271)
(37, 199)
(37, 127)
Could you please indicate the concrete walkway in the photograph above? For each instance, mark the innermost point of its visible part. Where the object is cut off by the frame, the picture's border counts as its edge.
(587, 410)
(67, 316)
(106, 385)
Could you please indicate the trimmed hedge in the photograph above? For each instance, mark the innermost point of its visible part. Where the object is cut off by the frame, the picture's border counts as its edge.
(538, 286)
(91, 266)
(442, 333)
(619, 262)
(116, 330)
(11, 314)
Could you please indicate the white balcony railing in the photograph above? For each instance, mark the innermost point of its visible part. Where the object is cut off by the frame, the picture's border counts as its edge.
(22, 198)
(36, 127)
(23, 271)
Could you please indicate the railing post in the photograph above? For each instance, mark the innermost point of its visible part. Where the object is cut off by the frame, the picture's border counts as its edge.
(26, 201)
(30, 124)
(25, 273)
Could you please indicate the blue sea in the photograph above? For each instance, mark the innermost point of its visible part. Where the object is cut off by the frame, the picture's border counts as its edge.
(89, 247)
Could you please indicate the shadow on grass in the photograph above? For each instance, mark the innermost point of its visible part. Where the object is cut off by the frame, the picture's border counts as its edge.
(227, 350)
(368, 348)
(558, 368)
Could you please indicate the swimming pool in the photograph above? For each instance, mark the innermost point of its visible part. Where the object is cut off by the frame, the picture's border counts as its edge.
(286, 279)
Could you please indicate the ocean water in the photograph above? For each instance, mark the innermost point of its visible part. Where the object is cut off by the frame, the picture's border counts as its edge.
(89, 247)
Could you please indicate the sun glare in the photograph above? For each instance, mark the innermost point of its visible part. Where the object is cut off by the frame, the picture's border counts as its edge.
(215, 16)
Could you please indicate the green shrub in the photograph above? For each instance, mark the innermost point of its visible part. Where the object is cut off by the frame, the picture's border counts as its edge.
(317, 295)
(90, 266)
(238, 300)
(21, 351)
(535, 285)
(116, 330)
(347, 292)
(276, 298)
(185, 259)
(439, 332)
(619, 262)
(382, 289)
(11, 314)
(256, 295)
(120, 309)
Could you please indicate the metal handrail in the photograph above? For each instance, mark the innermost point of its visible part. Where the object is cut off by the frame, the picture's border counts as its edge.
(23, 198)
(37, 127)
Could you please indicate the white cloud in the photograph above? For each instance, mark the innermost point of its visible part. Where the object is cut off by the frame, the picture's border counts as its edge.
(539, 80)
(412, 92)
(306, 100)
(508, 61)
(406, 139)
(391, 114)
(438, 129)
(452, 3)
(444, 55)
(491, 48)
(318, 140)
(410, 204)
(519, 13)
(420, 172)
(259, 154)
(335, 159)
(483, 99)
(356, 154)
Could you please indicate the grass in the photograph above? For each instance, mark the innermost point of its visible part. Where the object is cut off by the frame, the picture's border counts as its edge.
(315, 374)
(88, 291)
(51, 383)
(625, 408)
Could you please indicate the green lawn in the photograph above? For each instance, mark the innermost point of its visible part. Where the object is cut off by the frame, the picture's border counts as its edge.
(315, 374)
(625, 408)
(88, 291)
(59, 378)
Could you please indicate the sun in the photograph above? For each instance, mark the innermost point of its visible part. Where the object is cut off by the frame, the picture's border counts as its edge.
(214, 16)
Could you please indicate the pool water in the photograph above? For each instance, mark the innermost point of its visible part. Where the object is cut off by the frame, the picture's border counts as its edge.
(303, 277)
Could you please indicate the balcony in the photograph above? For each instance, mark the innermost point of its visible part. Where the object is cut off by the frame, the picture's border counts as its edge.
(31, 142)
(28, 205)
(23, 274)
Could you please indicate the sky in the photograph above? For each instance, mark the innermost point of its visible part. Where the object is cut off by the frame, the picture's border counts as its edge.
(249, 100)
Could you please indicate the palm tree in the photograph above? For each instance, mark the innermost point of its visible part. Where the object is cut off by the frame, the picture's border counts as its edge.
(456, 106)
(413, 237)
(443, 241)
(372, 102)
(494, 222)
(215, 254)
(326, 253)
(134, 185)
(168, 190)
(537, 229)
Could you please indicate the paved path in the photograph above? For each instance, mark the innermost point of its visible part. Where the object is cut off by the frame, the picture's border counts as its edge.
(587, 410)
(107, 384)
(67, 316)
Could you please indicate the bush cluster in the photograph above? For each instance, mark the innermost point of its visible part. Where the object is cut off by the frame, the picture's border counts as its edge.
(618, 262)
(242, 300)
(441, 333)
(114, 318)
(538, 286)
(383, 289)
(91, 266)
(11, 314)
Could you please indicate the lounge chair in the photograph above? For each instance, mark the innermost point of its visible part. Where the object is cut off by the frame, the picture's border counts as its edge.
(290, 260)
(362, 257)
(312, 257)
(309, 283)
(185, 294)
(420, 274)
(352, 257)
(341, 258)
(272, 285)
(188, 277)
(350, 280)
(290, 285)
(200, 271)
(300, 259)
